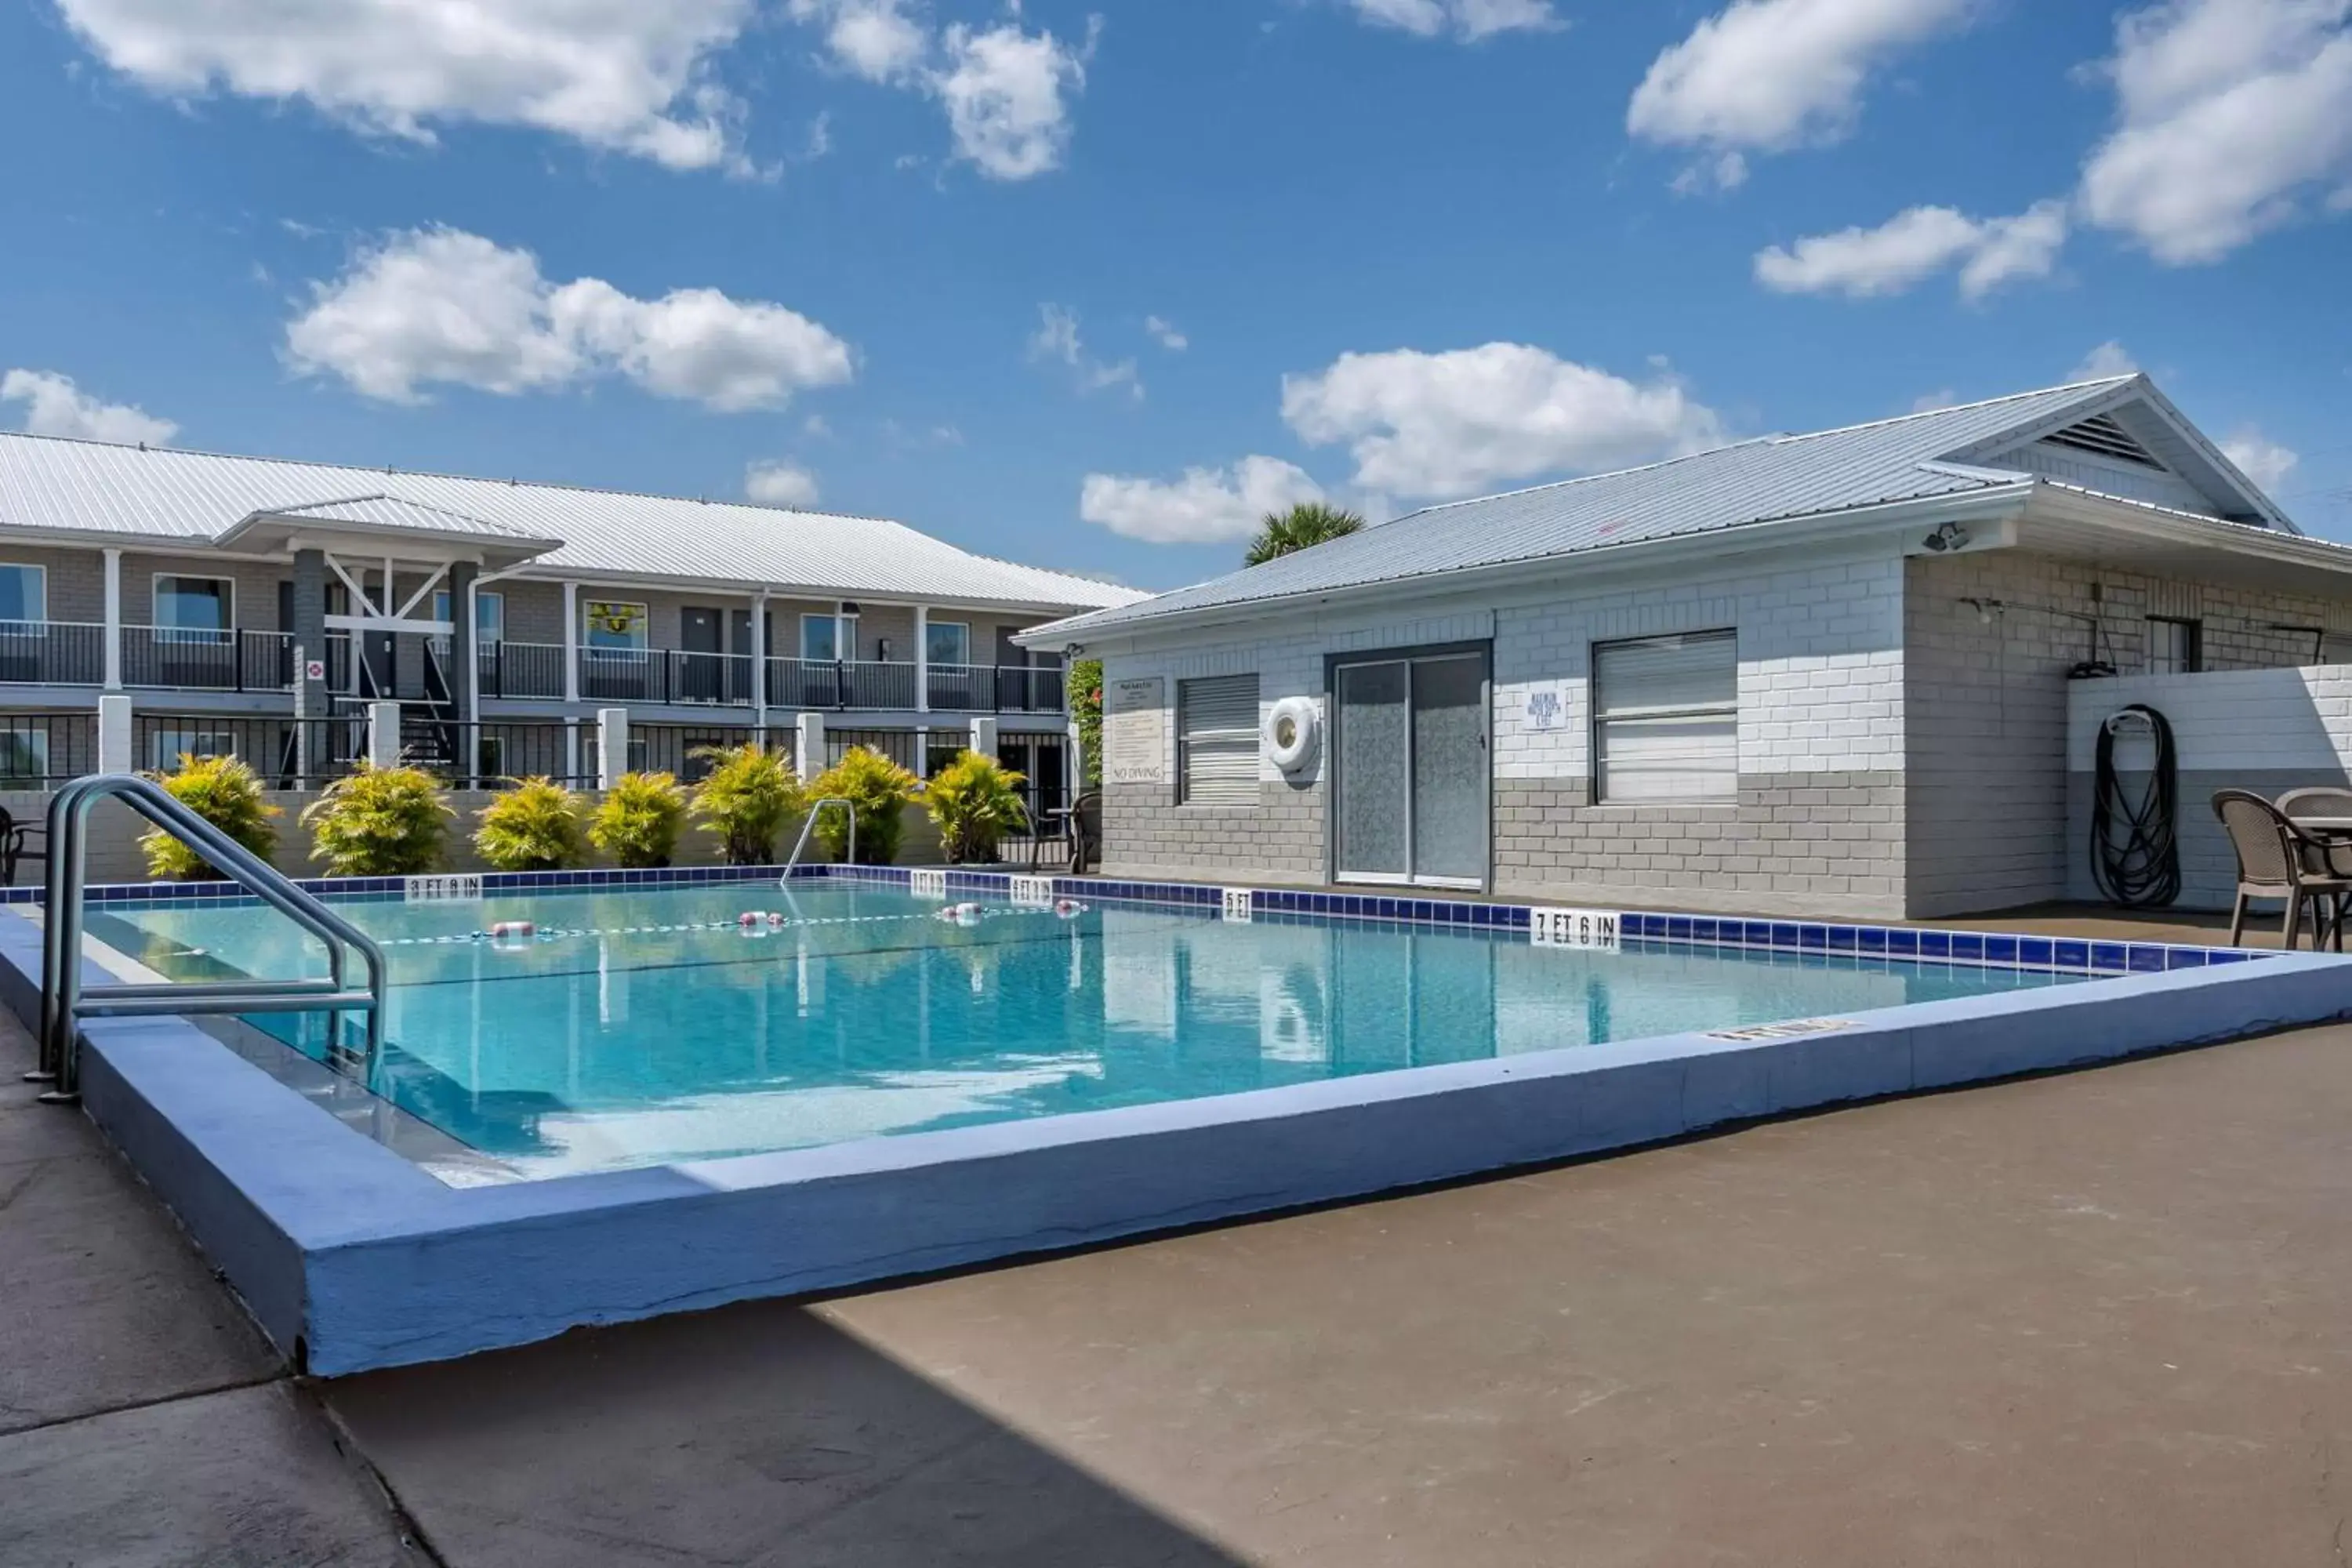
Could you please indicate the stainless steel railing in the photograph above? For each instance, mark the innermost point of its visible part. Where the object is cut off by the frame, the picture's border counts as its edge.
(65, 1001)
(850, 852)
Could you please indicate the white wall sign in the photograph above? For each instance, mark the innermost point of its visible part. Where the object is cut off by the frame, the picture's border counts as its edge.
(1595, 929)
(1238, 905)
(1135, 731)
(1032, 892)
(444, 890)
(1547, 706)
(928, 884)
(314, 669)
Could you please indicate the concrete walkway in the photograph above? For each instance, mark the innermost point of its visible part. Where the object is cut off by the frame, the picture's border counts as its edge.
(2087, 1320)
(142, 1418)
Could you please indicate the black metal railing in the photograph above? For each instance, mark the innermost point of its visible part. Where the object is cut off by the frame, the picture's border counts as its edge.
(496, 754)
(683, 749)
(898, 745)
(189, 660)
(521, 669)
(665, 674)
(270, 745)
(52, 652)
(39, 749)
(840, 683)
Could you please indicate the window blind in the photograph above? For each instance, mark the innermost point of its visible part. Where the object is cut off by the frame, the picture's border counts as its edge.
(1666, 719)
(1216, 745)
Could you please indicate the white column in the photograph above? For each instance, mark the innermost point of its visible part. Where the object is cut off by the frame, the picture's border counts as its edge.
(760, 664)
(572, 642)
(808, 747)
(113, 619)
(383, 734)
(612, 746)
(922, 658)
(114, 735)
(983, 735)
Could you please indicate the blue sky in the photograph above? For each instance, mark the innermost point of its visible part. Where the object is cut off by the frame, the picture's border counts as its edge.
(1088, 285)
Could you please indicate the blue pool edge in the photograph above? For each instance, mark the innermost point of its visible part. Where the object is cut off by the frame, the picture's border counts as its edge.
(353, 1259)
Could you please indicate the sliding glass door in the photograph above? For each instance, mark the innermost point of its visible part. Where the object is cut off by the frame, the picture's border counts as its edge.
(1413, 770)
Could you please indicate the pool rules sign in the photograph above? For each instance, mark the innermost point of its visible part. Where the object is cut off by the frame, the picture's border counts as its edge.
(1135, 731)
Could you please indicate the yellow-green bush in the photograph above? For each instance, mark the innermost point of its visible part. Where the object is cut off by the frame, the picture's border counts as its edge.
(879, 789)
(638, 824)
(534, 827)
(747, 799)
(225, 792)
(379, 822)
(975, 801)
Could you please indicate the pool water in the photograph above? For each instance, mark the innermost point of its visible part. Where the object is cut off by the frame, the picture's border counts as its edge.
(643, 1026)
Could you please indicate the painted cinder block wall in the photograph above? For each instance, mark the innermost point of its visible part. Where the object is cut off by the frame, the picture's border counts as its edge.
(2269, 731)
(1987, 695)
(1903, 750)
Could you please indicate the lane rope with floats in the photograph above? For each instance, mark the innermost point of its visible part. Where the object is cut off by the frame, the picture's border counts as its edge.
(515, 936)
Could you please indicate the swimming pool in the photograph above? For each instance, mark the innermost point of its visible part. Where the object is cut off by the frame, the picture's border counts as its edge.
(647, 1026)
(679, 1115)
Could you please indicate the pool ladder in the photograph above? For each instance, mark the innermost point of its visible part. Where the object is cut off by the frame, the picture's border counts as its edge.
(800, 844)
(66, 1001)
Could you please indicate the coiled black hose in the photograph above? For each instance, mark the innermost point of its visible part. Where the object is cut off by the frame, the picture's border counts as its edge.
(2135, 844)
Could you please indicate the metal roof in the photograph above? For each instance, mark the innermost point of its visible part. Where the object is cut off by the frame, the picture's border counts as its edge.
(389, 512)
(159, 494)
(1773, 478)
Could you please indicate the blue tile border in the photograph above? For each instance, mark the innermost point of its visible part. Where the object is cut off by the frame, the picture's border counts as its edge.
(1641, 930)
(1290, 905)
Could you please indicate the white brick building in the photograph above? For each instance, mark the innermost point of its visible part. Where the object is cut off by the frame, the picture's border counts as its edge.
(1823, 674)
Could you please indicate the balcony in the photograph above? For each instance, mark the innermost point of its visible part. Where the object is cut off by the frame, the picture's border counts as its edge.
(172, 659)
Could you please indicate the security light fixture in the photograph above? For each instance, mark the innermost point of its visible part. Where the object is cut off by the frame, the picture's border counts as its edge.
(1951, 536)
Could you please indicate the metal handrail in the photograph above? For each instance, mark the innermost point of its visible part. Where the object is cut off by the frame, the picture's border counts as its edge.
(810, 827)
(65, 1002)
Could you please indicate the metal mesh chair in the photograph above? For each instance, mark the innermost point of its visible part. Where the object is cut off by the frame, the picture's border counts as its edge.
(2277, 860)
(2332, 801)
(20, 842)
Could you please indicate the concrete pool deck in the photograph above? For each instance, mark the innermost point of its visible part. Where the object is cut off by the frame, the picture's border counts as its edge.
(2091, 1318)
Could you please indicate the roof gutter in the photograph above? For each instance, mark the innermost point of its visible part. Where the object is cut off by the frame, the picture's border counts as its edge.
(1994, 503)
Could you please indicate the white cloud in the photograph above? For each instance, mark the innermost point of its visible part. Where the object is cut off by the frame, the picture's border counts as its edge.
(1469, 20)
(1006, 91)
(780, 484)
(1771, 75)
(1206, 506)
(2230, 113)
(54, 406)
(611, 74)
(1455, 424)
(1006, 95)
(2260, 458)
(875, 39)
(1720, 172)
(2110, 358)
(1167, 335)
(1915, 245)
(1056, 341)
(1928, 402)
(442, 306)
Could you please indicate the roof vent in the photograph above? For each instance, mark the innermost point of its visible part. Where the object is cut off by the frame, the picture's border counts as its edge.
(2101, 434)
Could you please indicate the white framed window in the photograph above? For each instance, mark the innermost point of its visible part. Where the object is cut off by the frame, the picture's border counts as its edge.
(24, 598)
(169, 746)
(193, 609)
(947, 643)
(2175, 645)
(489, 614)
(1666, 724)
(24, 758)
(1216, 741)
(820, 639)
(614, 629)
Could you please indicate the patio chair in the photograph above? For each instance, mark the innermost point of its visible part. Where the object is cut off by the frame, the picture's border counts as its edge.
(19, 841)
(1085, 833)
(2277, 860)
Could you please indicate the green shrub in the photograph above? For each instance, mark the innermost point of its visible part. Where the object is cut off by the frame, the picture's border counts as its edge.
(637, 825)
(747, 799)
(1086, 686)
(534, 827)
(379, 822)
(879, 789)
(225, 793)
(975, 801)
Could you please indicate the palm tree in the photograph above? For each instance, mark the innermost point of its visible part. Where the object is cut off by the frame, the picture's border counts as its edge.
(1308, 522)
